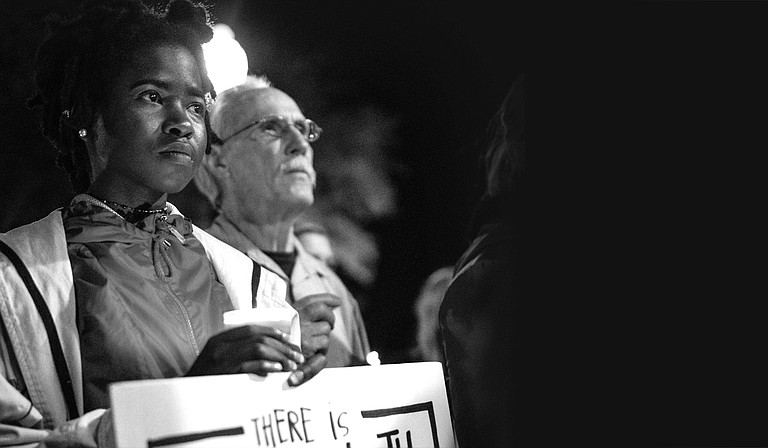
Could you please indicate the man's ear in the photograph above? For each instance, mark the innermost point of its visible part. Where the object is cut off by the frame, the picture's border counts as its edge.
(215, 160)
(210, 177)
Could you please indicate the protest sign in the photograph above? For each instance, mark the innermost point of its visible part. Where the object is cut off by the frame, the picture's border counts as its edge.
(391, 405)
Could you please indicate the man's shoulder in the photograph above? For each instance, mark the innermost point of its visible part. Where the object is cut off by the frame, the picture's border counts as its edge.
(317, 269)
(312, 263)
(225, 231)
(219, 230)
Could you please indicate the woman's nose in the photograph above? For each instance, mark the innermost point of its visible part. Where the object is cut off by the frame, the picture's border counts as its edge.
(177, 120)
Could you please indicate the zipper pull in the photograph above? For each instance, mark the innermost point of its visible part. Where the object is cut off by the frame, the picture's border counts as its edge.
(176, 233)
(173, 230)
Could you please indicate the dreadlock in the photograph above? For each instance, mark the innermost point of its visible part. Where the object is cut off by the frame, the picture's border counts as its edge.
(83, 54)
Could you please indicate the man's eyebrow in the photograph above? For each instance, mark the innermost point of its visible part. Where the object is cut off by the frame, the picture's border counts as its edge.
(189, 90)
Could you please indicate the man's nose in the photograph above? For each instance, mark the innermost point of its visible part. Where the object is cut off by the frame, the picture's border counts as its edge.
(297, 144)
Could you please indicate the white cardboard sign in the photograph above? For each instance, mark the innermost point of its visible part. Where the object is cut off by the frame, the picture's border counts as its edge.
(391, 405)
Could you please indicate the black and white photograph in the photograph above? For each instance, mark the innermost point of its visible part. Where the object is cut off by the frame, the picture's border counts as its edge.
(287, 223)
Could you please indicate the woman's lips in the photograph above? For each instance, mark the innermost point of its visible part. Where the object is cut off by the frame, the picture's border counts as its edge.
(178, 152)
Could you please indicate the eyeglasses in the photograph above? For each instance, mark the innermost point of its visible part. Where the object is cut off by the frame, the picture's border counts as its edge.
(275, 126)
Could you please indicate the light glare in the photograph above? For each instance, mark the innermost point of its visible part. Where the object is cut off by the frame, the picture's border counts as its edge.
(225, 59)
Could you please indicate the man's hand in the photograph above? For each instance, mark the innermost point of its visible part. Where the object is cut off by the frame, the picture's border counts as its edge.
(307, 370)
(317, 319)
(247, 349)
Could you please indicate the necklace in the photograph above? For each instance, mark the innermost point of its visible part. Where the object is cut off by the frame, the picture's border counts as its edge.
(146, 211)
(103, 203)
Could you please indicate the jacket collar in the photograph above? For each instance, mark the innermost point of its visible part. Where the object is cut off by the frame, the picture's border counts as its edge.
(306, 265)
(87, 220)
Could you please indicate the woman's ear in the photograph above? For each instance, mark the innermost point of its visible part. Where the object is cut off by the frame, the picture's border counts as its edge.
(98, 152)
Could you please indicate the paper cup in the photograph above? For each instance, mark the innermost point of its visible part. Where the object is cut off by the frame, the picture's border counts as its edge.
(280, 318)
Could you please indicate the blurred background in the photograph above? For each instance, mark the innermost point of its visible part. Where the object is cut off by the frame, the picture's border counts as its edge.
(404, 92)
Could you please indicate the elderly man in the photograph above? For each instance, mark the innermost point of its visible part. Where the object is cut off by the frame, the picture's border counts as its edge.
(260, 178)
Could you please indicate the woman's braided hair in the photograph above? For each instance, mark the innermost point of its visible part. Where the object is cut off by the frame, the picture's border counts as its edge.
(82, 56)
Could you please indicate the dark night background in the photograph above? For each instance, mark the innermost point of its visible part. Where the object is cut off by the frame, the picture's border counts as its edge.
(653, 222)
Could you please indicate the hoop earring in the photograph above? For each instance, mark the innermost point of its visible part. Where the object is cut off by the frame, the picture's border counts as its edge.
(82, 133)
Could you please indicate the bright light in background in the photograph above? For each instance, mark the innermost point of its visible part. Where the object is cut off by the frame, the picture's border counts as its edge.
(225, 59)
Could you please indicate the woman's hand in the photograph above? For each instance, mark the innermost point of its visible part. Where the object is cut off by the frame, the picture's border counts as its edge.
(249, 349)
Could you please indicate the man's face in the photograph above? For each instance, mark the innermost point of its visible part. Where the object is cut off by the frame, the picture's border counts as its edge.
(151, 136)
(271, 177)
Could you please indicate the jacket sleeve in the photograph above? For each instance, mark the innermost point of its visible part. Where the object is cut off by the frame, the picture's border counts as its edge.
(361, 345)
(92, 430)
(356, 337)
(24, 353)
(21, 424)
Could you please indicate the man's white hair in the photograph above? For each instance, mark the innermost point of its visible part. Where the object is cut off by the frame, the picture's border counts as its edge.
(222, 121)
(225, 120)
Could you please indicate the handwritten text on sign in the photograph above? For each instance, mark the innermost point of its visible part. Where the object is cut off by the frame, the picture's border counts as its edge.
(395, 405)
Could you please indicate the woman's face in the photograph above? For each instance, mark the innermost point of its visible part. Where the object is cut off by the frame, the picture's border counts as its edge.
(151, 136)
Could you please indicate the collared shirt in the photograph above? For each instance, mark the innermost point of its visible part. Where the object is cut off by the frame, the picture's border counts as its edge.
(349, 341)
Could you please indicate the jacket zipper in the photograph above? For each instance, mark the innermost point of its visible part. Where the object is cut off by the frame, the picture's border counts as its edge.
(185, 314)
(176, 300)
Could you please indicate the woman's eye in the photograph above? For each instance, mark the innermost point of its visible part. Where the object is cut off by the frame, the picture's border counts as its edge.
(197, 108)
(151, 96)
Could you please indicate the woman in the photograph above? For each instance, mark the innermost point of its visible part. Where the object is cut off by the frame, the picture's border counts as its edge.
(124, 93)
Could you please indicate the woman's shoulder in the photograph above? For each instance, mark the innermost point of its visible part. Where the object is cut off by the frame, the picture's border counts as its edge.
(41, 231)
(40, 245)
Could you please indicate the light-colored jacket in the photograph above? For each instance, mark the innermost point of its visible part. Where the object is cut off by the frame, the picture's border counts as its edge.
(26, 359)
(348, 344)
